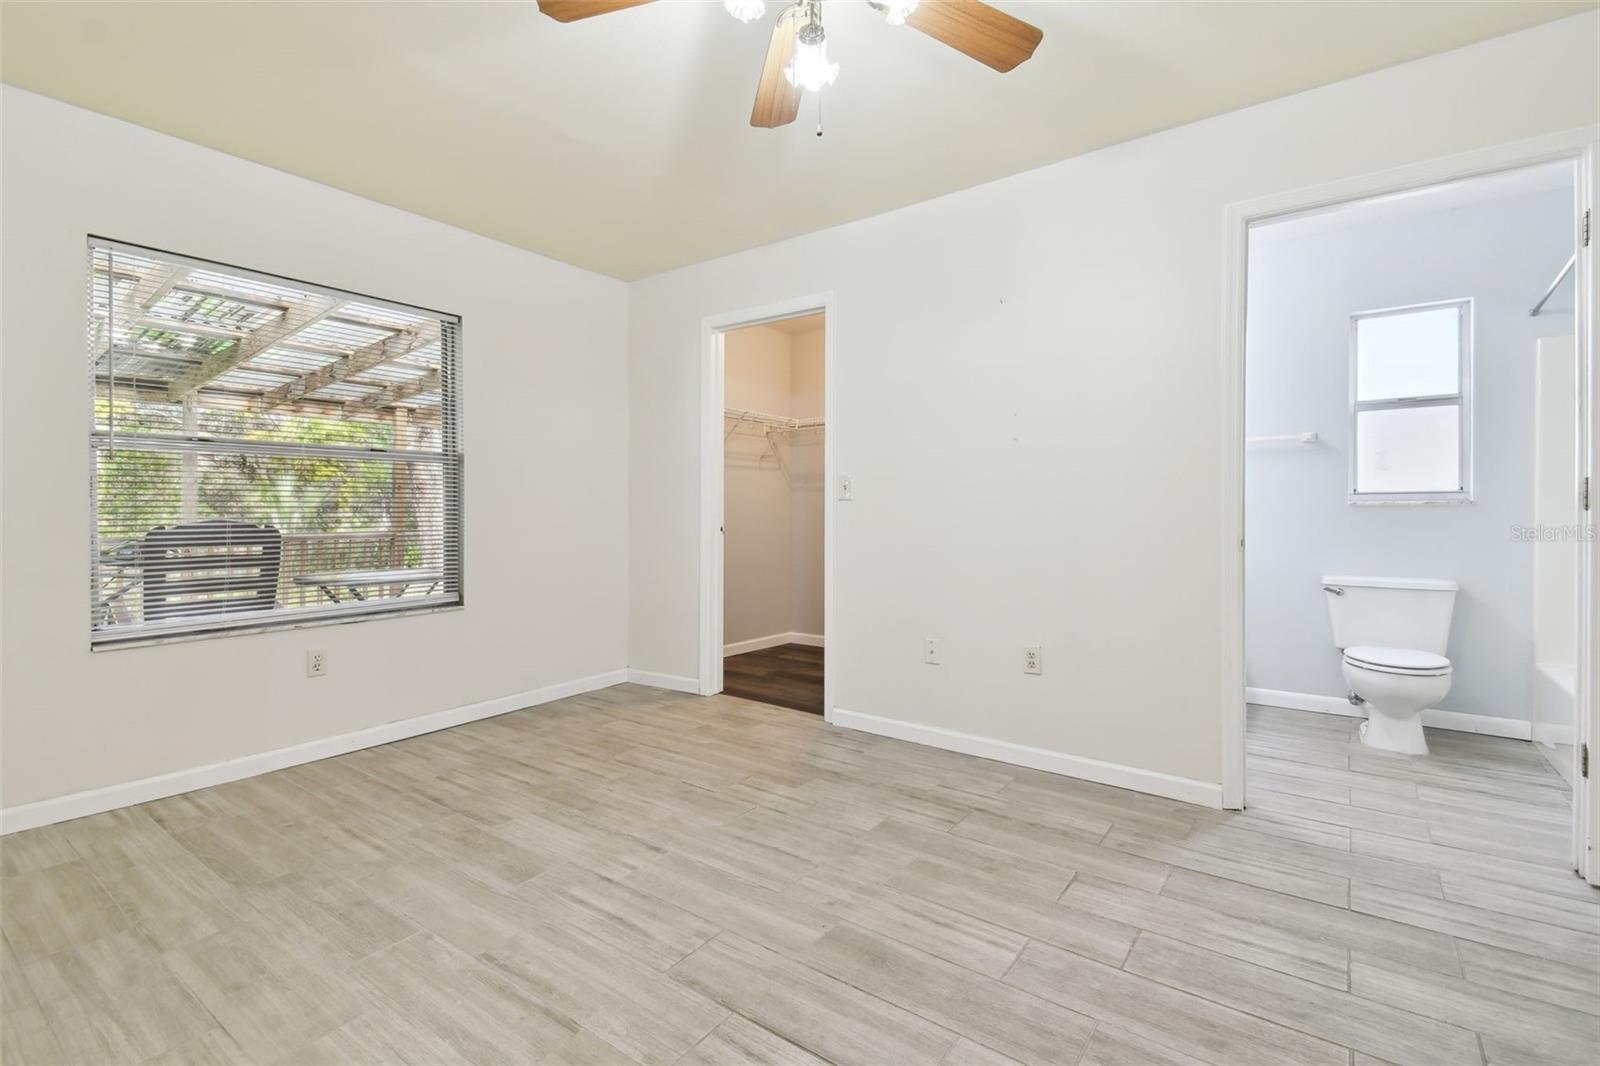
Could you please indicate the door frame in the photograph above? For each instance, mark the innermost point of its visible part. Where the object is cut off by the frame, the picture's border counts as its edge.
(1579, 146)
(713, 366)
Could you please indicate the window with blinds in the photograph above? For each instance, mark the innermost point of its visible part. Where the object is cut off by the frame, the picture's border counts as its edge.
(264, 452)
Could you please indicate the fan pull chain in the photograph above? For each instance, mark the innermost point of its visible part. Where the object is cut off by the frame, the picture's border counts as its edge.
(819, 114)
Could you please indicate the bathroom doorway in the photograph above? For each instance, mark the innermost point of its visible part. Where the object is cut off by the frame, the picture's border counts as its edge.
(1412, 547)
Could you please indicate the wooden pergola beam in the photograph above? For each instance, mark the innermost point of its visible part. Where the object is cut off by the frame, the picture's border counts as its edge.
(164, 283)
(297, 318)
(150, 289)
(389, 348)
(400, 390)
(178, 325)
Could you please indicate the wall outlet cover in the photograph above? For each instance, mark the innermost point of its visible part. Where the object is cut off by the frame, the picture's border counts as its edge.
(316, 664)
(1032, 659)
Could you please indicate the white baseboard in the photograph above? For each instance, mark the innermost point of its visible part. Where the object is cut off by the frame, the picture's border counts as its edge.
(810, 640)
(96, 801)
(1183, 789)
(1433, 718)
(1303, 701)
(1512, 728)
(669, 681)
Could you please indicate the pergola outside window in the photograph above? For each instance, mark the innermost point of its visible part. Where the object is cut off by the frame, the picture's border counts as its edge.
(263, 451)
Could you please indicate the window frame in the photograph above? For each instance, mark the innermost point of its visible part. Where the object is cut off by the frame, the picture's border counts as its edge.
(450, 459)
(1462, 399)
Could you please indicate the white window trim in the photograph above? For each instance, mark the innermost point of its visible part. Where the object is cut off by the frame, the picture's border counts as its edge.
(1463, 399)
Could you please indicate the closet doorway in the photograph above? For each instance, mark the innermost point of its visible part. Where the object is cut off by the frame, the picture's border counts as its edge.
(774, 438)
(766, 475)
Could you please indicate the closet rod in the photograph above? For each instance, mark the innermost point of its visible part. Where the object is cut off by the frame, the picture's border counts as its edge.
(780, 421)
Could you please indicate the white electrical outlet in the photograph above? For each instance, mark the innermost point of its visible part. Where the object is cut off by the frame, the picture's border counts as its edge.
(316, 664)
(846, 489)
(932, 651)
(1032, 659)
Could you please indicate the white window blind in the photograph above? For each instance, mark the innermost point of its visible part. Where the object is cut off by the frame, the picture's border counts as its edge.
(1410, 404)
(264, 452)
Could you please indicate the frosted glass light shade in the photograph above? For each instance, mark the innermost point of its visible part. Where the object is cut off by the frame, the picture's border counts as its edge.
(745, 10)
(896, 11)
(810, 69)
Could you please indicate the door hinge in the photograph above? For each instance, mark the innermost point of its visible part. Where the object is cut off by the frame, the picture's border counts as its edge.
(1585, 494)
(1586, 227)
(1583, 760)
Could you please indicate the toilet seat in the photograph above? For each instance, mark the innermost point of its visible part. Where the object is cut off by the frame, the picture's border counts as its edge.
(1405, 662)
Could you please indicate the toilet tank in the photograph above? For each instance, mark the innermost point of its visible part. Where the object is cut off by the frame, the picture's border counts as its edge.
(1390, 612)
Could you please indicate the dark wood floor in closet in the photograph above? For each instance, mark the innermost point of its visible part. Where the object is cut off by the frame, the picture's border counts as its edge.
(789, 675)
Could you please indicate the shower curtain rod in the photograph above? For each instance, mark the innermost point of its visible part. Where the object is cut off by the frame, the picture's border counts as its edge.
(1551, 291)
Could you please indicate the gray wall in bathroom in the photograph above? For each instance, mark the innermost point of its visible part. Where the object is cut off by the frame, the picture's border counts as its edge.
(1302, 289)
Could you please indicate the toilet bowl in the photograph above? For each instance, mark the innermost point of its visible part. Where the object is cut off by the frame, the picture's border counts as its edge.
(1392, 633)
(1396, 685)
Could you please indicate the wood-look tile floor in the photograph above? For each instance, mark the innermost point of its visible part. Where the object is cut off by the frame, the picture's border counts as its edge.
(789, 675)
(635, 876)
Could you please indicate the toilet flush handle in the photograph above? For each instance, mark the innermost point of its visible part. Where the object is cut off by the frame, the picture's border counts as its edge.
(1336, 590)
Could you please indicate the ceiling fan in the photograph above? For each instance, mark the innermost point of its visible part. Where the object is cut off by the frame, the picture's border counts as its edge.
(797, 56)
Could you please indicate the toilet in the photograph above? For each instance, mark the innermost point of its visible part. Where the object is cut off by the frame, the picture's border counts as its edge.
(1393, 633)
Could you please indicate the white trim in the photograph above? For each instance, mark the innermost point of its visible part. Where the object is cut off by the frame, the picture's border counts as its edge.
(1182, 789)
(712, 328)
(810, 640)
(111, 797)
(1512, 728)
(1586, 301)
(1578, 146)
(1433, 718)
(1303, 701)
(674, 682)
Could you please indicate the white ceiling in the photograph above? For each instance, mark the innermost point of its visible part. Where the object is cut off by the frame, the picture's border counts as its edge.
(623, 144)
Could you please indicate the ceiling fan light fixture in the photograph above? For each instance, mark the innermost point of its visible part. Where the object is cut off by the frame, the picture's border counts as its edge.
(897, 11)
(810, 69)
(748, 10)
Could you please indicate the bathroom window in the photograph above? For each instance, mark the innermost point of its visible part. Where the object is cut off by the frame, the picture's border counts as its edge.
(1410, 404)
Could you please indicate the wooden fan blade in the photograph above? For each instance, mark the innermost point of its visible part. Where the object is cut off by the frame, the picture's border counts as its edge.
(777, 102)
(573, 10)
(988, 35)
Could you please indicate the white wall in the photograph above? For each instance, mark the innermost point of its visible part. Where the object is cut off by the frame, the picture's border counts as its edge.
(757, 601)
(545, 395)
(772, 548)
(806, 539)
(1303, 287)
(1027, 396)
